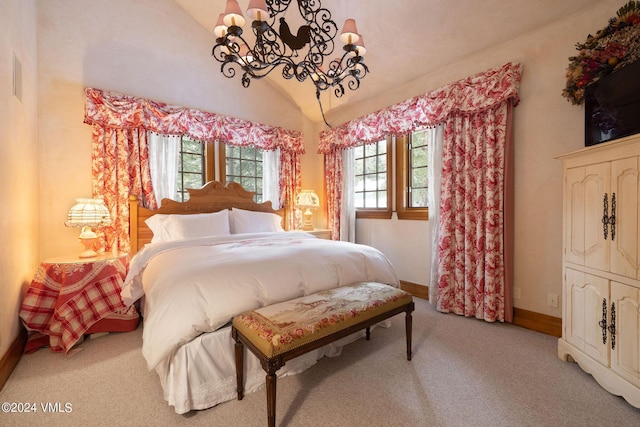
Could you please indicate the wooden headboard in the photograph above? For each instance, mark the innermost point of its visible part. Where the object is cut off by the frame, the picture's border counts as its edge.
(212, 197)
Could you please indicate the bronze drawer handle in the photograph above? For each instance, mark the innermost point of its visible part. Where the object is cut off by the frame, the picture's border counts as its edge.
(603, 322)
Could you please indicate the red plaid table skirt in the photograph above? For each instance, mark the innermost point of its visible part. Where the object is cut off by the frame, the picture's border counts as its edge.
(69, 298)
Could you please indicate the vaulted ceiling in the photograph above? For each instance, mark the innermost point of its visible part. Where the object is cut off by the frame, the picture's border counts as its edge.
(407, 38)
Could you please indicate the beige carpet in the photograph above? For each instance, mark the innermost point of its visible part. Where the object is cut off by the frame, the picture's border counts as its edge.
(464, 372)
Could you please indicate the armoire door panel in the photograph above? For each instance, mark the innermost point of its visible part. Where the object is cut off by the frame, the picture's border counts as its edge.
(587, 187)
(584, 312)
(575, 217)
(625, 355)
(624, 244)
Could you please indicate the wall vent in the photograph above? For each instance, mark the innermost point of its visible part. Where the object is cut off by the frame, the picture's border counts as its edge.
(17, 78)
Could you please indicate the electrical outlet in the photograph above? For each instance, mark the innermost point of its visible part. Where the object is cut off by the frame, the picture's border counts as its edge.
(516, 293)
(552, 300)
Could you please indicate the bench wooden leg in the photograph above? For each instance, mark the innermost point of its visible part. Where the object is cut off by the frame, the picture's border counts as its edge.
(271, 366)
(408, 321)
(368, 333)
(271, 398)
(239, 365)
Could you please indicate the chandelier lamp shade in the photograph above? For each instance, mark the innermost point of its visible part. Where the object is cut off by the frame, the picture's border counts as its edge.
(305, 53)
(88, 213)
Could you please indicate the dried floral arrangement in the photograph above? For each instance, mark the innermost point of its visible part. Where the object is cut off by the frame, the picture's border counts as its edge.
(613, 47)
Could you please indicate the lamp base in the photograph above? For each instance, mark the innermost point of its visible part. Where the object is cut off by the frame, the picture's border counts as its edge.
(88, 238)
(88, 248)
(307, 225)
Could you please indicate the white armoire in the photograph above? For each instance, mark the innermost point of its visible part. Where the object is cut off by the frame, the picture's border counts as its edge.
(601, 264)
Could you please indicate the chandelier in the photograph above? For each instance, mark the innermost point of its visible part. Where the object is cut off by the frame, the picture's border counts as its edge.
(303, 54)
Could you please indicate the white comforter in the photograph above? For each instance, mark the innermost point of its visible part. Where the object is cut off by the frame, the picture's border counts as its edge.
(198, 285)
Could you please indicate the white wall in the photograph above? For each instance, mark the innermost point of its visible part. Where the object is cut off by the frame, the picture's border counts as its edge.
(406, 243)
(545, 125)
(18, 162)
(146, 48)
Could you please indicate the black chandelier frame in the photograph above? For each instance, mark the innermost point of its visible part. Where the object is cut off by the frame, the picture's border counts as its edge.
(273, 49)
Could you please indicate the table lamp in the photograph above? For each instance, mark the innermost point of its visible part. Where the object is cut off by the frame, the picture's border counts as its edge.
(307, 200)
(87, 213)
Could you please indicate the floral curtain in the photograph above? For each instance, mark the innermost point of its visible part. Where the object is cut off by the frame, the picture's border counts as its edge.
(471, 241)
(466, 100)
(120, 166)
(126, 116)
(333, 184)
(289, 185)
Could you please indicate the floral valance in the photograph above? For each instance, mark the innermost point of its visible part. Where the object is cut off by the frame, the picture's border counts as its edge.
(109, 109)
(467, 96)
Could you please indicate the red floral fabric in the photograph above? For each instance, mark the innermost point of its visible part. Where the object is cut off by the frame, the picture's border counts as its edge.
(471, 239)
(333, 184)
(471, 265)
(120, 150)
(467, 96)
(289, 185)
(114, 110)
(120, 167)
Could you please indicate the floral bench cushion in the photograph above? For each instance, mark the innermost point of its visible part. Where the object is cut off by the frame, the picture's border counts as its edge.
(280, 327)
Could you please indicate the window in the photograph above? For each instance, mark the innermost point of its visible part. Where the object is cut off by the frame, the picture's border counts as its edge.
(412, 179)
(191, 167)
(373, 180)
(373, 177)
(244, 165)
(197, 166)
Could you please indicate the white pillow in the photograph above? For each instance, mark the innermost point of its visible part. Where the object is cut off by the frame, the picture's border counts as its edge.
(173, 227)
(243, 221)
(156, 225)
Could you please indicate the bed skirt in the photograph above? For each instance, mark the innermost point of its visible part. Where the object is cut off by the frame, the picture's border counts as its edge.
(194, 379)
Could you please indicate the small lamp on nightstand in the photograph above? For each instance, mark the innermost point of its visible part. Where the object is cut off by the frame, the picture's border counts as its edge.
(307, 200)
(87, 213)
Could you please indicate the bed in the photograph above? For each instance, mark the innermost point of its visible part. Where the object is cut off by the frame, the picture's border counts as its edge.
(197, 264)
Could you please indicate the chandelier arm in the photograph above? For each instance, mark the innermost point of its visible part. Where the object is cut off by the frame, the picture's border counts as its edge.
(303, 70)
(326, 24)
(277, 6)
(353, 84)
(246, 80)
(307, 9)
(258, 72)
(324, 31)
(228, 70)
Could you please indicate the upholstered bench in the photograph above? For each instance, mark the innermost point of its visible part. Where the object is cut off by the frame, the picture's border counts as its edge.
(283, 331)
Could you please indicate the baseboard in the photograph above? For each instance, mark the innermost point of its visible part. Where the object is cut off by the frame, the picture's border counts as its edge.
(418, 291)
(12, 356)
(524, 318)
(538, 322)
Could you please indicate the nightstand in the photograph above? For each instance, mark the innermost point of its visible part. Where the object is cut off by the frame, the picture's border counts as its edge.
(321, 233)
(71, 296)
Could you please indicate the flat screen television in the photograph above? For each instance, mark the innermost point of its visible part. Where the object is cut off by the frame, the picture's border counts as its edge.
(612, 106)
